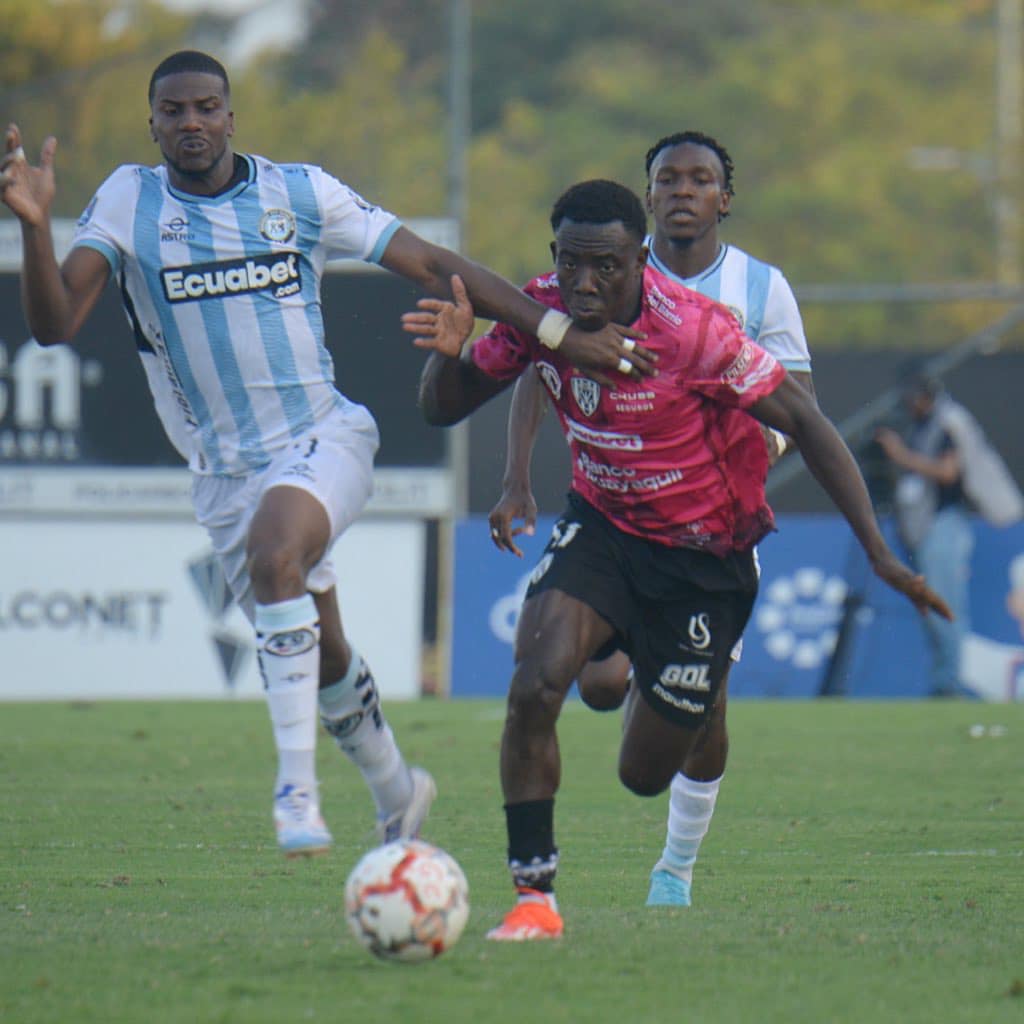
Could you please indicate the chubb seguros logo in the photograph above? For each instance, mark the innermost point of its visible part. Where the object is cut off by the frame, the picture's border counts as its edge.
(799, 616)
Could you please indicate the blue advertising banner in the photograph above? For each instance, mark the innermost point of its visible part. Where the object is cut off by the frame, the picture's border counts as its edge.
(822, 622)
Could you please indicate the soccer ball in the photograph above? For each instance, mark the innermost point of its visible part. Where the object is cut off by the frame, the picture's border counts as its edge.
(407, 901)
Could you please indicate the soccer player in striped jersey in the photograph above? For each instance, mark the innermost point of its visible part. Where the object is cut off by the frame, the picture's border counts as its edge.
(218, 256)
(655, 549)
(689, 193)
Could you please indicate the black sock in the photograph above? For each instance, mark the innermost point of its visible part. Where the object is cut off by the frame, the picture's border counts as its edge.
(532, 854)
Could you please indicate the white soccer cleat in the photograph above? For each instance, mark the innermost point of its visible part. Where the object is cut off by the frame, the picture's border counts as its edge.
(406, 824)
(301, 831)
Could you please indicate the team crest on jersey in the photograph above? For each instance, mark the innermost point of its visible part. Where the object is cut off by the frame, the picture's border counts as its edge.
(552, 381)
(738, 313)
(587, 393)
(277, 225)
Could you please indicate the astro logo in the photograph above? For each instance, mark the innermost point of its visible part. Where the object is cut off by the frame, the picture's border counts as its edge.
(277, 273)
(799, 616)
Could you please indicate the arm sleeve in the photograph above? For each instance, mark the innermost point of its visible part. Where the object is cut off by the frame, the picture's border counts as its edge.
(106, 223)
(352, 227)
(503, 352)
(782, 330)
(729, 367)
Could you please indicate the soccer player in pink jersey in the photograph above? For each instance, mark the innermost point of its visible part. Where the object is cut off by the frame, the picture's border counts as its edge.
(654, 551)
(689, 193)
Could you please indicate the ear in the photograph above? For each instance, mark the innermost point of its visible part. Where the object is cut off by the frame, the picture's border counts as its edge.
(724, 202)
(231, 123)
(554, 252)
(647, 199)
(642, 257)
(152, 133)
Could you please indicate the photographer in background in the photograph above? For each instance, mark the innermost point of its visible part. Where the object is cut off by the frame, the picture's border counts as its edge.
(947, 468)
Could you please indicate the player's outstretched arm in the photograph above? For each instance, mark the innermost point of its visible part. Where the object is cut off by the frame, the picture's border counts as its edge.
(793, 411)
(598, 353)
(529, 402)
(56, 300)
(451, 385)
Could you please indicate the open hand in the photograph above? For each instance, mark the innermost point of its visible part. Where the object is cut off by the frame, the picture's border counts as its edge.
(441, 325)
(514, 503)
(915, 587)
(28, 191)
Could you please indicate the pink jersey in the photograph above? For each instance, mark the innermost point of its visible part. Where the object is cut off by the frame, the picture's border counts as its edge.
(672, 458)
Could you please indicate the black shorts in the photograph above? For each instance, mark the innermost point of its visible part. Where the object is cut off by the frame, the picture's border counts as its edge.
(677, 612)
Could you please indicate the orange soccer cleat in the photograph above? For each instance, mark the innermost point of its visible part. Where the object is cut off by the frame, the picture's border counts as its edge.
(535, 916)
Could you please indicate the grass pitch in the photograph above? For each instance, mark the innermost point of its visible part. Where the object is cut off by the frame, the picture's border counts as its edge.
(866, 863)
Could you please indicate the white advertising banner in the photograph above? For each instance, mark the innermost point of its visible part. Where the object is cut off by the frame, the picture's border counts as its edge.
(136, 609)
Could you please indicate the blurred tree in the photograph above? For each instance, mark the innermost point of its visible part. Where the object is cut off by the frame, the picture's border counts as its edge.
(822, 103)
(78, 70)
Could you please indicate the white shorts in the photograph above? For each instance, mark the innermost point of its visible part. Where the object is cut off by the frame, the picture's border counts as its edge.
(333, 462)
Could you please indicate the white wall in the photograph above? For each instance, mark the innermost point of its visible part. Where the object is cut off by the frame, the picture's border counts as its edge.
(135, 609)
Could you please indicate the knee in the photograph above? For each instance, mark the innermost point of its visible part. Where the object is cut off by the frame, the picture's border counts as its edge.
(644, 780)
(274, 567)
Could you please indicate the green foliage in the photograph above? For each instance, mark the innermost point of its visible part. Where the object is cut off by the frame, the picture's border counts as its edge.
(863, 864)
(825, 108)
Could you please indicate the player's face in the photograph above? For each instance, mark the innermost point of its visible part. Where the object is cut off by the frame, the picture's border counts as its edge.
(600, 272)
(686, 191)
(191, 123)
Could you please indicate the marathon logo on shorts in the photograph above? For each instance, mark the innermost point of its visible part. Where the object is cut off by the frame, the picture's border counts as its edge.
(276, 272)
(683, 703)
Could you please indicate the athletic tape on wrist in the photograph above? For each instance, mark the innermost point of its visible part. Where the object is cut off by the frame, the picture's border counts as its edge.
(552, 327)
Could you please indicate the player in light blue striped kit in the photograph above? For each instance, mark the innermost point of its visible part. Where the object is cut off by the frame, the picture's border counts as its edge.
(218, 257)
(689, 192)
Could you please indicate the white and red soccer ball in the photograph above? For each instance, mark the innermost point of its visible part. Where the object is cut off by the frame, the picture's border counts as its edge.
(407, 901)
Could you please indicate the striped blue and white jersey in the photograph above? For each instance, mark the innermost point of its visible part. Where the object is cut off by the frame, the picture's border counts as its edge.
(223, 294)
(758, 296)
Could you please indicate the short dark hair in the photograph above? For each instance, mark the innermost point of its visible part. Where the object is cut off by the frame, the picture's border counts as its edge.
(698, 139)
(600, 202)
(186, 61)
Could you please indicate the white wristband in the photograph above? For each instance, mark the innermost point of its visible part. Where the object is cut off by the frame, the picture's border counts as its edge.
(779, 439)
(552, 327)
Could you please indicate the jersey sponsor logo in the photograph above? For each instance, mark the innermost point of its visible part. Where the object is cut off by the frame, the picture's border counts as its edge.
(683, 703)
(547, 281)
(686, 677)
(277, 225)
(176, 230)
(552, 381)
(277, 273)
(661, 304)
(623, 479)
(633, 401)
(604, 438)
(740, 364)
(587, 393)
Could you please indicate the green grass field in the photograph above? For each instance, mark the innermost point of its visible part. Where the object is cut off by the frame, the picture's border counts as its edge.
(866, 863)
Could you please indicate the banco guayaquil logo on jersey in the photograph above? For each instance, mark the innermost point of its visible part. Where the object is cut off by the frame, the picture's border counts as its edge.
(587, 393)
(277, 225)
(276, 272)
(799, 616)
